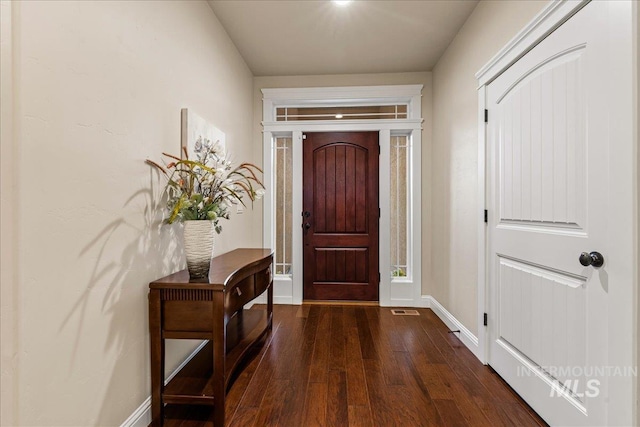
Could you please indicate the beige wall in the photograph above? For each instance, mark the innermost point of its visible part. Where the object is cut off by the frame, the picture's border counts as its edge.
(455, 206)
(339, 80)
(8, 288)
(98, 88)
(636, 45)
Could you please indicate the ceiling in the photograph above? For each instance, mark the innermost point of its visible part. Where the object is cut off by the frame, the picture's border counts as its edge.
(303, 37)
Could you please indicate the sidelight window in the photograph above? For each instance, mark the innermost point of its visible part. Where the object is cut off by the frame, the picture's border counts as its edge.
(283, 199)
(399, 218)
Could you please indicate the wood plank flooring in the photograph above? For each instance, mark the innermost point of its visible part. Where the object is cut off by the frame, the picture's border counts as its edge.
(362, 366)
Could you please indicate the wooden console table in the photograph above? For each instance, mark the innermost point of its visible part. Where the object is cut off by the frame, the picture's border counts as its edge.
(213, 310)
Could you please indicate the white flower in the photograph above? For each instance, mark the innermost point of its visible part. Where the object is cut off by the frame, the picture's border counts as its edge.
(217, 149)
(221, 175)
(204, 188)
(197, 147)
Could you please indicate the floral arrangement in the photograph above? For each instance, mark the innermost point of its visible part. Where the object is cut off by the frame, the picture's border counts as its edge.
(398, 272)
(206, 187)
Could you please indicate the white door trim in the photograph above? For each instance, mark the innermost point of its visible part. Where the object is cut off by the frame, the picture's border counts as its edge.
(623, 391)
(543, 24)
(482, 228)
(406, 292)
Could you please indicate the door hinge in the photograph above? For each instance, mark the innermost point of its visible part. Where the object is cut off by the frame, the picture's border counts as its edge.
(485, 319)
(379, 277)
(305, 136)
(486, 115)
(379, 213)
(379, 149)
(486, 216)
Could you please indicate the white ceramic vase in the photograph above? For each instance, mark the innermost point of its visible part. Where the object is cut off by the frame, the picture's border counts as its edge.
(198, 247)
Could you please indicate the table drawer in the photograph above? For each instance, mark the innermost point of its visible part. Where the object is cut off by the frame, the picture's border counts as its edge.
(194, 316)
(239, 295)
(263, 278)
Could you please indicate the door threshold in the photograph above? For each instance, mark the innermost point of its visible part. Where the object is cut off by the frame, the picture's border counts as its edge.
(339, 302)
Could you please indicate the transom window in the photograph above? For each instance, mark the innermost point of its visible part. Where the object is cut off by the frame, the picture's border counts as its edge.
(369, 112)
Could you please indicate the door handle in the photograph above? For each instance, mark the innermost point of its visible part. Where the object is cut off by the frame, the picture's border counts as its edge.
(306, 214)
(594, 259)
(306, 226)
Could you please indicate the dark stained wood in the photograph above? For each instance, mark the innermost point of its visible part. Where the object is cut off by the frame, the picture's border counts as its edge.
(330, 185)
(367, 346)
(360, 416)
(319, 368)
(270, 412)
(340, 174)
(315, 412)
(157, 354)
(350, 190)
(212, 310)
(450, 413)
(223, 271)
(340, 188)
(357, 394)
(330, 366)
(337, 409)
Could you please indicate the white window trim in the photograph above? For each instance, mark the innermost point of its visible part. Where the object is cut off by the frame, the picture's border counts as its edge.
(288, 289)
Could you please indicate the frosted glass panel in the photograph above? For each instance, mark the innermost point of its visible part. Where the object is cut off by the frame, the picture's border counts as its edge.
(399, 204)
(369, 112)
(283, 205)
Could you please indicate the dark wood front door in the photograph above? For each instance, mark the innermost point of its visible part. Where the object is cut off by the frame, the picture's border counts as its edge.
(340, 218)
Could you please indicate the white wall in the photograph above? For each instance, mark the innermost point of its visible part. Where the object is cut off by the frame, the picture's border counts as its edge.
(455, 207)
(98, 87)
(339, 80)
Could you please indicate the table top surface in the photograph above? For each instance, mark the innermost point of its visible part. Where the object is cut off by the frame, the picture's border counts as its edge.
(223, 267)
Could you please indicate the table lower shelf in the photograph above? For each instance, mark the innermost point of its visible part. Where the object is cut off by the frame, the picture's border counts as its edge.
(194, 383)
(188, 415)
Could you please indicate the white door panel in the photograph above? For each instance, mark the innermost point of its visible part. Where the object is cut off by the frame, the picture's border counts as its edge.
(542, 147)
(548, 189)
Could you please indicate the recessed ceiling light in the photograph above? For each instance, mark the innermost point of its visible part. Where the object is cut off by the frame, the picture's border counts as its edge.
(338, 116)
(342, 2)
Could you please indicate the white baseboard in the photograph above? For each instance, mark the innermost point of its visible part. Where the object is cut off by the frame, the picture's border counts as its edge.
(287, 299)
(262, 299)
(399, 302)
(425, 301)
(141, 417)
(467, 338)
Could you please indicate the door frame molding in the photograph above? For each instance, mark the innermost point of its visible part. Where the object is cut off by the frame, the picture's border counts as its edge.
(406, 292)
(623, 25)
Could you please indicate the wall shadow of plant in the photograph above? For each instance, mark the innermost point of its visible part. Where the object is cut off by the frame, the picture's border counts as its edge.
(154, 250)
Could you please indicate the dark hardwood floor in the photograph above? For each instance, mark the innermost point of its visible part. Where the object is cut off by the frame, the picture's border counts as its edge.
(363, 366)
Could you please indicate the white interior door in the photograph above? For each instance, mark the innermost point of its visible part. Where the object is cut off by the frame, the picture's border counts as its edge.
(550, 186)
